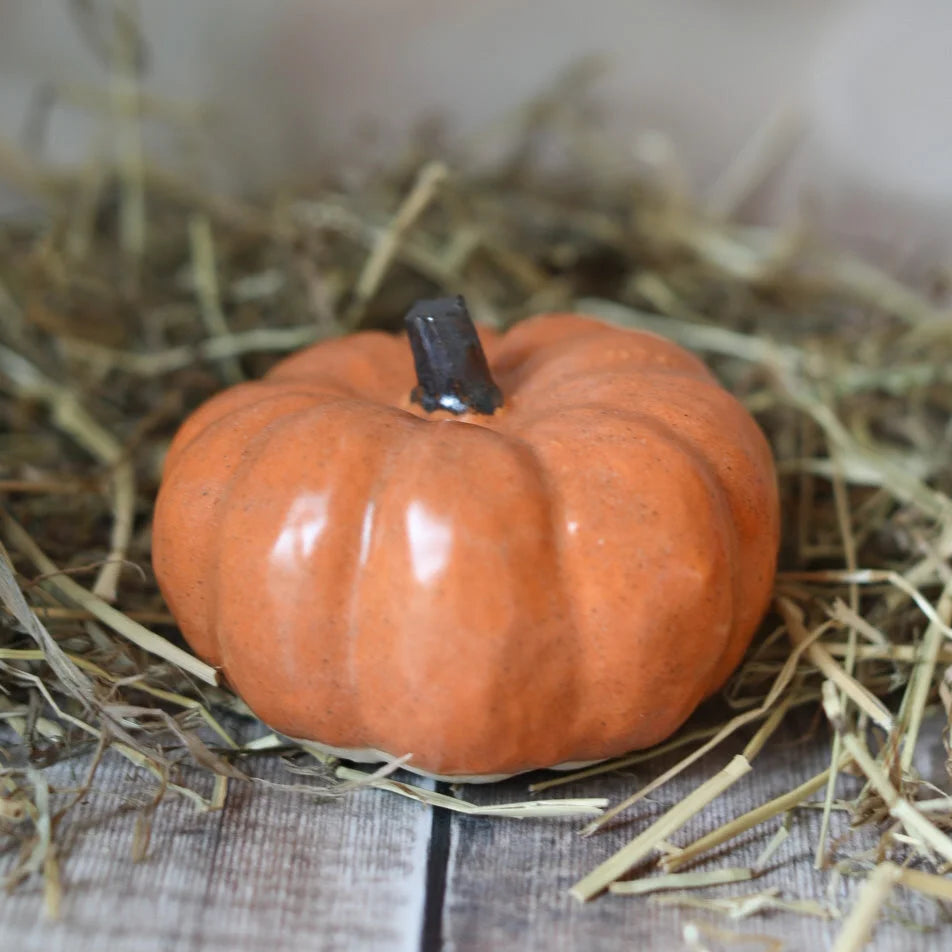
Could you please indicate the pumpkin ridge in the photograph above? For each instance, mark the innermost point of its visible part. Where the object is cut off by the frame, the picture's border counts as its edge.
(171, 492)
(747, 480)
(728, 529)
(278, 700)
(518, 369)
(253, 388)
(552, 396)
(703, 462)
(254, 445)
(706, 383)
(483, 701)
(555, 521)
(513, 371)
(249, 458)
(692, 460)
(382, 474)
(382, 361)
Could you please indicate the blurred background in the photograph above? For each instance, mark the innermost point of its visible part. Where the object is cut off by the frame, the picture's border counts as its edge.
(833, 107)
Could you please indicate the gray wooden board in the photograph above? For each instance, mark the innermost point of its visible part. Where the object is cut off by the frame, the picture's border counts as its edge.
(276, 870)
(507, 887)
(273, 870)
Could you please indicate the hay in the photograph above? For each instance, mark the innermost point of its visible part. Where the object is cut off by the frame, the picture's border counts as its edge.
(136, 295)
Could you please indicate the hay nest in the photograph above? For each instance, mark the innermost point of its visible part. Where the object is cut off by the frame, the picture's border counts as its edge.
(135, 295)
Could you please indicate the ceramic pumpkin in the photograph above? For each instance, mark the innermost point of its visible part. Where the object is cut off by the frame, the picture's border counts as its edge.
(494, 552)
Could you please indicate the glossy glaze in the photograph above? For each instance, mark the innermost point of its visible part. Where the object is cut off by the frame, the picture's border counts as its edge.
(563, 580)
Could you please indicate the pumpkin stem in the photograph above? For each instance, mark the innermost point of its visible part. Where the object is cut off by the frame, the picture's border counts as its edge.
(451, 368)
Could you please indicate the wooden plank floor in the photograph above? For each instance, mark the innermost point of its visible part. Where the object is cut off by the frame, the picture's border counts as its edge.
(277, 870)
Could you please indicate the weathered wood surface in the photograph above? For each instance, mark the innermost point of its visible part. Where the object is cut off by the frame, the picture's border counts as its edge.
(508, 887)
(271, 871)
(276, 871)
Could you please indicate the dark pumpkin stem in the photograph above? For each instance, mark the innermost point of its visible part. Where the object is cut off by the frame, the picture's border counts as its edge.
(452, 373)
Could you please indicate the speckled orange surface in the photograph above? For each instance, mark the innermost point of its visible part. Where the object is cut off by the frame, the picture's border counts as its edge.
(564, 580)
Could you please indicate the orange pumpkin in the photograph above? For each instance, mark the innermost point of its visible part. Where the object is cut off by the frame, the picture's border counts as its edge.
(490, 588)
